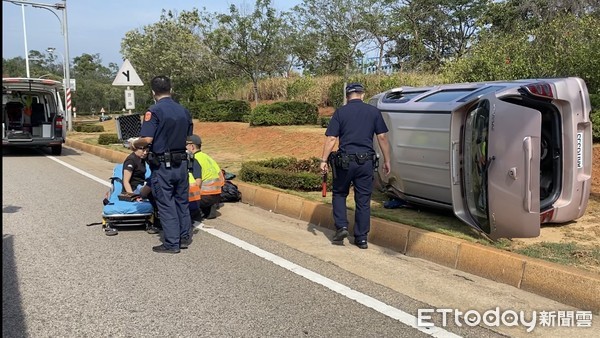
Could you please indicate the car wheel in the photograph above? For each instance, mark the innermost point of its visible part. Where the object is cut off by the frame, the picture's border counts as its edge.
(56, 150)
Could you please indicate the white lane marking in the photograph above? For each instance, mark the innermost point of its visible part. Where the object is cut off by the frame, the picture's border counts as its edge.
(90, 176)
(361, 298)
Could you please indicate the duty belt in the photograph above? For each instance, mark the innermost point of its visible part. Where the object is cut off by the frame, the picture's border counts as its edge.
(168, 158)
(177, 157)
(361, 157)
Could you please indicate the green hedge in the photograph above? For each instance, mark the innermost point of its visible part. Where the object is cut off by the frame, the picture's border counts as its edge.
(220, 111)
(88, 128)
(595, 117)
(285, 173)
(595, 101)
(325, 121)
(106, 139)
(284, 114)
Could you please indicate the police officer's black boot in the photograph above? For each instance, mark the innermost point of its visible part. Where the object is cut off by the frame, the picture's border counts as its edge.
(213, 212)
(340, 234)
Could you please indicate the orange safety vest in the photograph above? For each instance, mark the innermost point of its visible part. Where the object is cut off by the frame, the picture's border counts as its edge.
(194, 192)
(212, 178)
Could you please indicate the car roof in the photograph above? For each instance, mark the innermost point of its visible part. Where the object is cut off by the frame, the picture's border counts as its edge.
(21, 83)
(446, 97)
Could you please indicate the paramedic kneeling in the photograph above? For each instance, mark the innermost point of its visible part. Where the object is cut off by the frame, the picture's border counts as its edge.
(210, 179)
(165, 128)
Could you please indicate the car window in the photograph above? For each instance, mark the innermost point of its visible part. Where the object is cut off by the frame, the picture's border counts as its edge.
(476, 164)
(446, 95)
(401, 97)
(480, 92)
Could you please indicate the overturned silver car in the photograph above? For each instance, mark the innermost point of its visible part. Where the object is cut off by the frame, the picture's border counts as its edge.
(505, 156)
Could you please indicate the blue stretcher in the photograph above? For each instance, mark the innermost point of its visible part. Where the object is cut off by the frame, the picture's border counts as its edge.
(117, 213)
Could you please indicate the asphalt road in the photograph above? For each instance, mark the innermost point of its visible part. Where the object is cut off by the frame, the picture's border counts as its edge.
(248, 273)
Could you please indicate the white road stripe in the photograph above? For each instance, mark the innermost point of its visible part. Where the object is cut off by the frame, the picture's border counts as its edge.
(90, 176)
(361, 298)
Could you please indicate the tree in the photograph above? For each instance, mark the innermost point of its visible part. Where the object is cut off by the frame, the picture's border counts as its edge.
(518, 15)
(303, 46)
(341, 29)
(565, 46)
(435, 31)
(14, 67)
(94, 84)
(90, 66)
(169, 47)
(381, 24)
(253, 43)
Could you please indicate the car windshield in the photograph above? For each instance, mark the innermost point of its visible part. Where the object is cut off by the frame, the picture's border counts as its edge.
(476, 164)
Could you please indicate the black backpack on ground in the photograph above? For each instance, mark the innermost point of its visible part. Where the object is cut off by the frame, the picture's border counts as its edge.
(230, 192)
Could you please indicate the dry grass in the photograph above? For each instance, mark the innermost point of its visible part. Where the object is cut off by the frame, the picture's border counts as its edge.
(316, 90)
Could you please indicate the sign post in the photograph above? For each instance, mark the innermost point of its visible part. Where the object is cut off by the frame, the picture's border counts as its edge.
(127, 77)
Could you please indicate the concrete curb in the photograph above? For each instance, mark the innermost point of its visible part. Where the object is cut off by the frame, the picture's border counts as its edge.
(561, 283)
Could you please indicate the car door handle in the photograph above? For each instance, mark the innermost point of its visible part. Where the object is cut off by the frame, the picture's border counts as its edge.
(455, 163)
(527, 175)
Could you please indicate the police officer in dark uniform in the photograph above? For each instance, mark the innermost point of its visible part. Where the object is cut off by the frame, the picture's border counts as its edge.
(354, 125)
(167, 124)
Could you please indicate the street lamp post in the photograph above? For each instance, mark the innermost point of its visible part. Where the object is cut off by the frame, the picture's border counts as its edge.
(25, 38)
(67, 64)
(62, 6)
(52, 50)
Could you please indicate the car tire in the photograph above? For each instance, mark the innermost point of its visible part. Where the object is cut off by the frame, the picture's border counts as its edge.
(56, 150)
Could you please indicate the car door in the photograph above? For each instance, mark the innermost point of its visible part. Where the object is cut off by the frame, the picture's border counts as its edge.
(496, 162)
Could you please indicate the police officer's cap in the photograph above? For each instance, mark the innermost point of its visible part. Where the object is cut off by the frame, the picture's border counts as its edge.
(354, 87)
(194, 139)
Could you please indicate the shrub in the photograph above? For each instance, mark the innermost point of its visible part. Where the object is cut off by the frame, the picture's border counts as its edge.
(595, 117)
(284, 113)
(285, 173)
(105, 139)
(220, 111)
(325, 121)
(299, 88)
(595, 101)
(88, 128)
(336, 93)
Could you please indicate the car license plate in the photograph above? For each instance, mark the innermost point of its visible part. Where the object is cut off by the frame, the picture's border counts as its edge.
(579, 150)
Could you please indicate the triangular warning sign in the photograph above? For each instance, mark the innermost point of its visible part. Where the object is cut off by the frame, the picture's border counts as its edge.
(127, 76)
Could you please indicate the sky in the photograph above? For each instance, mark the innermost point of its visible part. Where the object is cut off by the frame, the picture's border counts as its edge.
(95, 26)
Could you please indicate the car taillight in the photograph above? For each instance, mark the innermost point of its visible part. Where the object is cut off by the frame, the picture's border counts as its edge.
(59, 122)
(540, 89)
(546, 216)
